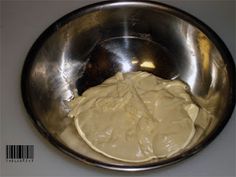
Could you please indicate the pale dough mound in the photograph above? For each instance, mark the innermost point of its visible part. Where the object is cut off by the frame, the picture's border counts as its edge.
(135, 116)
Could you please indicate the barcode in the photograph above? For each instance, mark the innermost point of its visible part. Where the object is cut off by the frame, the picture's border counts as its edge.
(19, 153)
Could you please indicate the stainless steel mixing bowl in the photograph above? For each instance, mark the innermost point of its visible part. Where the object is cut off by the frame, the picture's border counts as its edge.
(87, 46)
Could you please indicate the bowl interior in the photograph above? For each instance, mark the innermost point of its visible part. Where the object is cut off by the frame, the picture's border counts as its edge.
(93, 44)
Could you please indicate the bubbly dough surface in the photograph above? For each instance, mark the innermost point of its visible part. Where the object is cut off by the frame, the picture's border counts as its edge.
(135, 116)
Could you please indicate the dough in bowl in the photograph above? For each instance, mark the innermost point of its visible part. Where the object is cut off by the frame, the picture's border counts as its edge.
(135, 117)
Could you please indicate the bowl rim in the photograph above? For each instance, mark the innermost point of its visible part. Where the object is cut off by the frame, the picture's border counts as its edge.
(220, 45)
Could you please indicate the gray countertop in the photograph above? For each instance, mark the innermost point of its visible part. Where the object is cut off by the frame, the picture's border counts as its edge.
(22, 22)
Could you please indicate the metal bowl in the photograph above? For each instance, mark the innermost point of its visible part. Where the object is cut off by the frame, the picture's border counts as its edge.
(88, 45)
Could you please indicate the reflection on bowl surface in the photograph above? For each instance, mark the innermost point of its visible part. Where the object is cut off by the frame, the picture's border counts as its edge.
(91, 44)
